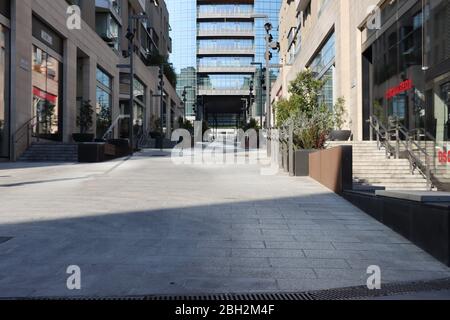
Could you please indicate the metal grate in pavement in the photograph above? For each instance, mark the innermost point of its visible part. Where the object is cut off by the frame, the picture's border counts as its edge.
(389, 289)
(351, 293)
(237, 297)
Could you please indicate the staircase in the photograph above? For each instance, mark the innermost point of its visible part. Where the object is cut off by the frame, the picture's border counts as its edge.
(372, 170)
(51, 152)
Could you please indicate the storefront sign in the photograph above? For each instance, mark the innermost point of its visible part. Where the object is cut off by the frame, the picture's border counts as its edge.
(44, 95)
(404, 86)
(42, 32)
(444, 156)
(46, 37)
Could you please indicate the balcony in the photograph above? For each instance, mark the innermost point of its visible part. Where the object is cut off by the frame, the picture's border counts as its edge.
(111, 6)
(225, 14)
(222, 92)
(226, 69)
(226, 51)
(232, 33)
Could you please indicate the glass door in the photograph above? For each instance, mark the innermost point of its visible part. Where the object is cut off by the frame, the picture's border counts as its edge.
(4, 91)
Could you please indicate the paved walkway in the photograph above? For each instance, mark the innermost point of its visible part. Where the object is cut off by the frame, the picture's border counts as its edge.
(146, 226)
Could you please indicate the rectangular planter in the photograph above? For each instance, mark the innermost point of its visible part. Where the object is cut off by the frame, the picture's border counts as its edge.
(333, 168)
(91, 152)
(301, 162)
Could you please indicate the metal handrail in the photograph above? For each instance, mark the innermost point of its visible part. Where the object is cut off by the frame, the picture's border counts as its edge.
(395, 128)
(25, 125)
(114, 124)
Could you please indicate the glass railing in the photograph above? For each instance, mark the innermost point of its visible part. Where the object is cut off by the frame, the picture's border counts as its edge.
(227, 48)
(225, 10)
(114, 5)
(223, 62)
(225, 29)
(223, 88)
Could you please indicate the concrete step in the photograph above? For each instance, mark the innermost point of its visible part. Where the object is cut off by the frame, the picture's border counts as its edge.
(384, 175)
(47, 152)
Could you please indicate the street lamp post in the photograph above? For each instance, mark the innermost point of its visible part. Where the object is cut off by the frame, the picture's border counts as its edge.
(161, 95)
(131, 33)
(185, 99)
(261, 90)
(270, 44)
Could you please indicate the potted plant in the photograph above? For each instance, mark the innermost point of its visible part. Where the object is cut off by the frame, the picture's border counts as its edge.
(306, 119)
(310, 135)
(84, 122)
(339, 119)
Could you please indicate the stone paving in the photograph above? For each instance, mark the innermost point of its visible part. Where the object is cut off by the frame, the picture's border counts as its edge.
(146, 226)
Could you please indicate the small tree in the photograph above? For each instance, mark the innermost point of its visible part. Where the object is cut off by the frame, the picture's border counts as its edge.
(284, 109)
(47, 112)
(185, 124)
(85, 117)
(339, 113)
(305, 91)
(252, 124)
(312, 121)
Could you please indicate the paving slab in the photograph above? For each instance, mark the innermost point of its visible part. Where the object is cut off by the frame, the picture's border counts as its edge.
(144, 225)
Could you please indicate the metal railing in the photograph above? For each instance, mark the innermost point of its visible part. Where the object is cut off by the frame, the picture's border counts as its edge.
(25, 131)
(109, 133)
(399, 142)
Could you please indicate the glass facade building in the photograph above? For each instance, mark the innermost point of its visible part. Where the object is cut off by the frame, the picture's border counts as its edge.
(407, 67)
(406, 78)
(220, 40)
(183, 19)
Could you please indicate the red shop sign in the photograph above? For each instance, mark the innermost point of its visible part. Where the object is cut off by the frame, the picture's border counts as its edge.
(44, 95)
(444, 156)
(402, 87)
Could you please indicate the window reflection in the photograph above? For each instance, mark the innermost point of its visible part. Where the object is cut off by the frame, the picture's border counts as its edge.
(103, 105)
(225, 61)
(225, 82)
(46, 93)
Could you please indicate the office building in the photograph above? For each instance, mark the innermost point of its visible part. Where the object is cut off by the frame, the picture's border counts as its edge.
(228, 40)
(50, 68)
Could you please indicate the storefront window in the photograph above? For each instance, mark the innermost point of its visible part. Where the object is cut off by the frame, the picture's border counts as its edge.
(4, 84)
(46, 94)
(409, 78)
(139, 106)
(103, 105)
(323, 68)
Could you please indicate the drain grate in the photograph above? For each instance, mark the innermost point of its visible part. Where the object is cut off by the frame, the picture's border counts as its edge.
(236, 297)
(350, 293)
(389, 289)
(4, 239)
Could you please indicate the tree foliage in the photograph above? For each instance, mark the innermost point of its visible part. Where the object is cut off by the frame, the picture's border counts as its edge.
(311, 120)
(85, 117)
(169, 72)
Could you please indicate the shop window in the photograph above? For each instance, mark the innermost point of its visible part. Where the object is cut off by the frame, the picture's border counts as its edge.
(46, 94)
(103, 103)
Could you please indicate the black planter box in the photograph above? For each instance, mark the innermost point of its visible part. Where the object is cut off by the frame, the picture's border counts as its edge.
(117, 148)
(91, 152)
(301, 162)
(424, 224)
(83, 137)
